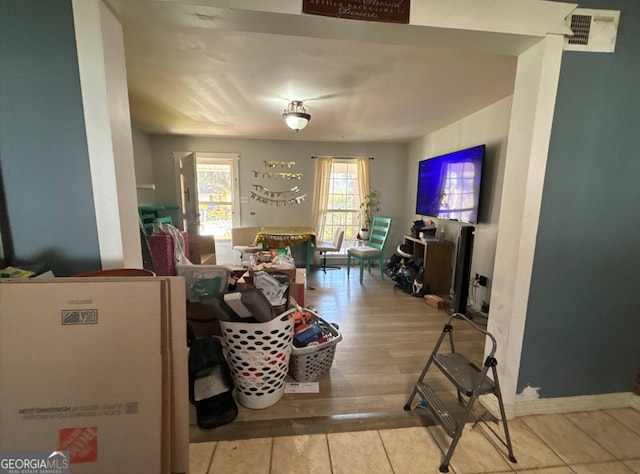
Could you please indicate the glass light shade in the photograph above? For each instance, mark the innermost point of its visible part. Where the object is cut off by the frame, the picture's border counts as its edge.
(296, 116)
(296, 120)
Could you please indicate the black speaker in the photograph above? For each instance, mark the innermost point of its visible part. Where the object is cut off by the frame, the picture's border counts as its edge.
(463, 270)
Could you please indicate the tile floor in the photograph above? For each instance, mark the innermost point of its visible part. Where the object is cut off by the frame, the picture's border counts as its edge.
(598, 442)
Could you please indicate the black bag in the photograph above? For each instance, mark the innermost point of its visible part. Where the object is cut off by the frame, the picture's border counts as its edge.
(210, 383)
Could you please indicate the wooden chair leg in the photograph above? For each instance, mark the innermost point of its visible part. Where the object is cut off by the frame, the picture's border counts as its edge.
(348, 263)
(361, 269)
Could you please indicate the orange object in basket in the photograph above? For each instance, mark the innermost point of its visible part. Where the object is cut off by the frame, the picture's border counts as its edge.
(300, 327)
(302, 317)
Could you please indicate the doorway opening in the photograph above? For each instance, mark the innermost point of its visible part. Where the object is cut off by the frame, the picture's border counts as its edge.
(210, 198)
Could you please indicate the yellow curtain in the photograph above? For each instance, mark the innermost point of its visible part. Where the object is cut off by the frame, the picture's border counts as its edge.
(321, 192)
(363, 181)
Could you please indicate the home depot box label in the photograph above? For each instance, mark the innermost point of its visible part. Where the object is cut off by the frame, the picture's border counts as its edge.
(81, 371)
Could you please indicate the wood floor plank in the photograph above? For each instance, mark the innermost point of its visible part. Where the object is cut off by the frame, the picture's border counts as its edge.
(387, 338)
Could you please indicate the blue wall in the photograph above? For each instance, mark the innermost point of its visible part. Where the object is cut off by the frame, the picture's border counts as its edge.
(582, 334)
(43, 147)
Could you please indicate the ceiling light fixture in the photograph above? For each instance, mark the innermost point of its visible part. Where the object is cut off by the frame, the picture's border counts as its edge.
(296, 116)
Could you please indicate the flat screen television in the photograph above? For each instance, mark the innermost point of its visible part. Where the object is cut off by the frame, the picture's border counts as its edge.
(449, 185)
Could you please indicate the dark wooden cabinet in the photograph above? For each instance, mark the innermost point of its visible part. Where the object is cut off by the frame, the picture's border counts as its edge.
(437, 263)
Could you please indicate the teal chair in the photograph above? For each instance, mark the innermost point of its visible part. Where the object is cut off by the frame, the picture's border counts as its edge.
(374, 250)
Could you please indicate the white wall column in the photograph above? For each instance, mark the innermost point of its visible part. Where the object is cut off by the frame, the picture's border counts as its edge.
(530, 130)
(105, 100)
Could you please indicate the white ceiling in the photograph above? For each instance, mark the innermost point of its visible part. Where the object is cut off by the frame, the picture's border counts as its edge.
(203, 70)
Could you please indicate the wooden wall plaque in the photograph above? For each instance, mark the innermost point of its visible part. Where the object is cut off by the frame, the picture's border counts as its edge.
(390, 11)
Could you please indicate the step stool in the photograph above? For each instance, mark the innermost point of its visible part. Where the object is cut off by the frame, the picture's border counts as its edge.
(470, 382)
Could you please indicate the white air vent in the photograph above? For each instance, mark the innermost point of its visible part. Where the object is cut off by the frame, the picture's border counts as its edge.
(593, 30)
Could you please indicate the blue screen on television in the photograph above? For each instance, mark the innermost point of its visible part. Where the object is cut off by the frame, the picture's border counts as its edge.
(449, 185)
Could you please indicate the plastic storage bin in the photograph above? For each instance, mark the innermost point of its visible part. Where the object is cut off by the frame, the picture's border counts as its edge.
(258, 356)
(308, 364)
(203, 280)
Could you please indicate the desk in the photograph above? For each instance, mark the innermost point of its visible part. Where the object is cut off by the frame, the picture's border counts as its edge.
(281, 237)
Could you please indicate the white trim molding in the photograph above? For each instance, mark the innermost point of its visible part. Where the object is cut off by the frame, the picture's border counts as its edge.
(544, 406)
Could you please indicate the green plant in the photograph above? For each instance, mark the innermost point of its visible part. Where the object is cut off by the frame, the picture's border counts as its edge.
(368, 207)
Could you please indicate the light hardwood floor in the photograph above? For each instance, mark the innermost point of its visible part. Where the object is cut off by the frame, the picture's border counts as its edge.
(387, 338)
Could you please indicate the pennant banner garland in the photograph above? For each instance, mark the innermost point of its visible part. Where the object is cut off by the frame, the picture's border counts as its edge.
(281, 164)
(278, 202)
(285, 197)
(269, 175)
(267, 192)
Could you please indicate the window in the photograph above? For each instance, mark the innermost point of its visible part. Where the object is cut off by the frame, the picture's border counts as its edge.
(341, 187)
(215, 196)
(458, 198)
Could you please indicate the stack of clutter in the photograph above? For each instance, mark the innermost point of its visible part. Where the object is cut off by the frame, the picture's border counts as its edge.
(273, 261)
(260, 349)
(407, 271)
(421, 229)
(275, 286)
(257, 340)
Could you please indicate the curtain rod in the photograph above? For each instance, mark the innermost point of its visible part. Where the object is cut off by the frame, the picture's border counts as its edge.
(313, 157)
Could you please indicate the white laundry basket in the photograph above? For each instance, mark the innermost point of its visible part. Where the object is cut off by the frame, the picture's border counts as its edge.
(308, 364)
(258, 356)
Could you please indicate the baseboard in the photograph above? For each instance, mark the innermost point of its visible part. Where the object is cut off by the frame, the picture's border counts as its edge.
(635, 401)
(542, 406)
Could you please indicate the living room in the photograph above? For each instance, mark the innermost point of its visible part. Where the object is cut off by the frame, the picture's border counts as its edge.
(393, 168)
(541, 302)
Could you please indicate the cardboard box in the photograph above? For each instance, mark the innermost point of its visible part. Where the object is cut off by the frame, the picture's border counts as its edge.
(435, 301)
(202, 249)
(296, 291)
(175, 380)
(96, 367)
(296, 288)
(202, 322)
